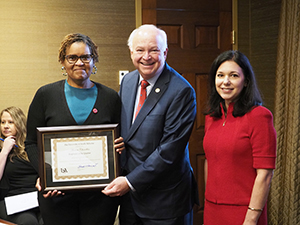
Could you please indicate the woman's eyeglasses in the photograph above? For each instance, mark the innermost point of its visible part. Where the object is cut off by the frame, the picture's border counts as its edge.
(72, 59)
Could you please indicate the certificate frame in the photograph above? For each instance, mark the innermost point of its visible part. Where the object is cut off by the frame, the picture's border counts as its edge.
(77, 158)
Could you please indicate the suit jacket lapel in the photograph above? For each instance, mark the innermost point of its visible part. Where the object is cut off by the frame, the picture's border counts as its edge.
(157, 91)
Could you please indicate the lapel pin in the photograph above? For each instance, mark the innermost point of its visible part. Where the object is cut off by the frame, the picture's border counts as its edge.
(157, 90)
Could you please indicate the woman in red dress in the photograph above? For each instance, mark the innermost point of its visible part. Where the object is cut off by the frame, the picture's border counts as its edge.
(239, 143)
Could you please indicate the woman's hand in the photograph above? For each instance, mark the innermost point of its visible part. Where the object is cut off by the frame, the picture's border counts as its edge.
(49, 194)
(119, 145)
(250, 223)
(8, 144)
(259, 195)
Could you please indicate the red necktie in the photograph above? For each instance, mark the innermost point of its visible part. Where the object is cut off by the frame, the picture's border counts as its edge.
(143, 96)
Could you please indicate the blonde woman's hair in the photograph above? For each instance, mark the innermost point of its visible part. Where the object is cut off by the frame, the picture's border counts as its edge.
(19, 119)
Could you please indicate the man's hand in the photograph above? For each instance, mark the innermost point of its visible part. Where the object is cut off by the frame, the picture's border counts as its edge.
(119, 145)
(117, 187)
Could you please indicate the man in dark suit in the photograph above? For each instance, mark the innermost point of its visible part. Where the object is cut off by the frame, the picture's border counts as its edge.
(156, 164)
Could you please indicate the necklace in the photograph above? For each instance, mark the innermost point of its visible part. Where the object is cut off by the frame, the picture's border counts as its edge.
(225, 119)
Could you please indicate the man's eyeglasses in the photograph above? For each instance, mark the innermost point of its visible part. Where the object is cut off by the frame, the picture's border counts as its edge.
(72, 59)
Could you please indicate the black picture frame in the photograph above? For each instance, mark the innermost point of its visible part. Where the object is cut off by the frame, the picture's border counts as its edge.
(61, 150)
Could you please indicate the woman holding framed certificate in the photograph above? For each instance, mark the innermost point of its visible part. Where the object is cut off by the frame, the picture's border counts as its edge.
(74, 101)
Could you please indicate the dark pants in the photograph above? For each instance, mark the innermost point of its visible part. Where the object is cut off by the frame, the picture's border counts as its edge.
(28, 217)
(127, 216)
(80, 208)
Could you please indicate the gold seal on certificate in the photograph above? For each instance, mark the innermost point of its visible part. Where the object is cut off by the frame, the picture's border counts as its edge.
(77, 157)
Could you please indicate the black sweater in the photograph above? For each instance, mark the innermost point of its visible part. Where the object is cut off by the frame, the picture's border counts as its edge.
(18, 177)
(49, 108)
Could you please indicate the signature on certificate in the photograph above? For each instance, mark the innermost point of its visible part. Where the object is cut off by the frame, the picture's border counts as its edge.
(88, 165)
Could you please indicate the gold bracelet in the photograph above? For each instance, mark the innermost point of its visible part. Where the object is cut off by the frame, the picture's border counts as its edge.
(253, 209)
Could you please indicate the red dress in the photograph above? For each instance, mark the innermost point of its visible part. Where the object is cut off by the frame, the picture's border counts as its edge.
(235, 147)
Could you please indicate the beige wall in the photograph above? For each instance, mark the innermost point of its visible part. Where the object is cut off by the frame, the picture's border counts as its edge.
(31, 32)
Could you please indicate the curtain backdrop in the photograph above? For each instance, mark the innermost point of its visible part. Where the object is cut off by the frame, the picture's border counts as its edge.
(284, 201)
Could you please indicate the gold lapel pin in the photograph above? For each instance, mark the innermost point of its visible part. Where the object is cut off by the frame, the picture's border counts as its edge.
(157, 90)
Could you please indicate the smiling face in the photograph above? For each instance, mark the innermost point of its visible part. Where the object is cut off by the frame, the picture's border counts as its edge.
(78, 73)
(148, 54)
(230, 81)
(8, 127)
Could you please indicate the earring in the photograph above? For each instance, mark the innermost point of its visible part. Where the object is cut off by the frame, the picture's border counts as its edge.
(64, 74)
(94, 68)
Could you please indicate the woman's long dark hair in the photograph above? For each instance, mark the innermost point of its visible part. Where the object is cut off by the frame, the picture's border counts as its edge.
(249, 96)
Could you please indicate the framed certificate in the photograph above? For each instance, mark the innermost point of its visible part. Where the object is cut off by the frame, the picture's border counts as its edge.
(77, 157)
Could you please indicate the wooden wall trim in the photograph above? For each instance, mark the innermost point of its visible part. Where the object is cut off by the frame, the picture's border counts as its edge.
(235, 24)
(138, 13)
